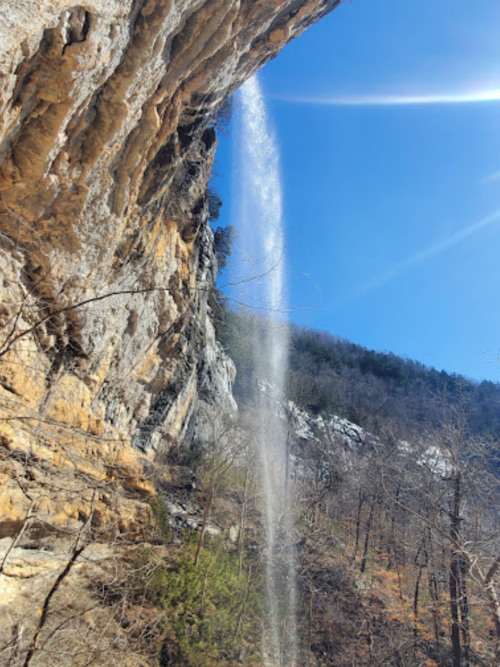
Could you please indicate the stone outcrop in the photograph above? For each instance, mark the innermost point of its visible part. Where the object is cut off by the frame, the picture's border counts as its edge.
(105, 154)
(107, 350)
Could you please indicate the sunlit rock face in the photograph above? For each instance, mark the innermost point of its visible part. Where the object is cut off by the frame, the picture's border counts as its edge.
(107, 351)
(105, 154)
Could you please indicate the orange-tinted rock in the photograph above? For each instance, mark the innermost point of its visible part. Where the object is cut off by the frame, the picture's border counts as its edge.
(104, 161)
(106, 265)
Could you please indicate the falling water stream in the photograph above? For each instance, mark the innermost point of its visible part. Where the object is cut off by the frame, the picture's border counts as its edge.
(261, 234)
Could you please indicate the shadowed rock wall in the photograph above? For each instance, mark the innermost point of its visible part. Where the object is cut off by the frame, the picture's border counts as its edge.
(105, 154)
(107, 350)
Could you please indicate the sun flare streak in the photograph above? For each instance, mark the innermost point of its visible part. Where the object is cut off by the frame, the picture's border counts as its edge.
(491, 178)
(426, 254)
(465, 97)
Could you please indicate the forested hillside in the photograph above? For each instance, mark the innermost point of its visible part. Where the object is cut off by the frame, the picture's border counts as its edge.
(376, 388)
(397, 529)
(381, 392)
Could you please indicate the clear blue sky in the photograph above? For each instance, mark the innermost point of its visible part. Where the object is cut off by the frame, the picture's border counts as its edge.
(391, 173)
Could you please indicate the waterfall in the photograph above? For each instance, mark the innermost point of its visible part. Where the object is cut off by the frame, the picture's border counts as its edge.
(261, 235)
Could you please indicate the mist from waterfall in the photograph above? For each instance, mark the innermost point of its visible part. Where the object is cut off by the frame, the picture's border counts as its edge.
(263, 287)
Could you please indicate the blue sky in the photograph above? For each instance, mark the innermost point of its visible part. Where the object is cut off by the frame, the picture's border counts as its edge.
(387, 114)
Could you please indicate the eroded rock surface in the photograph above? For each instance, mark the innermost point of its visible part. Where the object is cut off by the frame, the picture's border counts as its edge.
(105, 155)
(106, 346)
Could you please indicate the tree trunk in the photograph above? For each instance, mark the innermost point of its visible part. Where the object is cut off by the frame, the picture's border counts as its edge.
(495, 611)
(454, 574)
(206, 514)
(45, 609)
(242, 525)
(488, 583)
(415, 601)
(367, 536)
(433, 590)
(310, 614)
(361, 500)
(243, 609)
(391, 544)
(464, 612)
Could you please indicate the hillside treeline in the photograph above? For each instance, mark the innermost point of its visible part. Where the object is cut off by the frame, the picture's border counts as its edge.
(375, 388)
(381, 392)
(397, 541)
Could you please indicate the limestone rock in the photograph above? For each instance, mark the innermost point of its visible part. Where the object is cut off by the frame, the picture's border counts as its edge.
(107, 352)
(105, 154)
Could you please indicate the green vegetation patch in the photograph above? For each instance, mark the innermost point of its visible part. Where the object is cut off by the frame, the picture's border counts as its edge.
(210, 610)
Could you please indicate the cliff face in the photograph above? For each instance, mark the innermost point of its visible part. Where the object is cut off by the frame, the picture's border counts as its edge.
(107, 352)
(105, 155)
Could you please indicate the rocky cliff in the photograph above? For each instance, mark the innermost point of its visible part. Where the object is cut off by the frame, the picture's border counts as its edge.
(106, 344)
(106, 150)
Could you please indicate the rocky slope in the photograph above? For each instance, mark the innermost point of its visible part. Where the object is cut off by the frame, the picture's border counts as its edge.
(107, 352)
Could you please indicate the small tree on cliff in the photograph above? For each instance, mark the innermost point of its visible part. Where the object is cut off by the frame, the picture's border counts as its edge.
(224, 237)
(214, 204)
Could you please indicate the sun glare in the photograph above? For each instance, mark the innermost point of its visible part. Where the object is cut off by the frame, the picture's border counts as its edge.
(467, 97)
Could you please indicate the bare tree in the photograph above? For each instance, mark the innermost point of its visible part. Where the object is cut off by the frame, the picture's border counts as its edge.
(450, 494)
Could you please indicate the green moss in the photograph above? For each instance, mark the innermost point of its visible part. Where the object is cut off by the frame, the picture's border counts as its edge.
(161, 525)
(211, 611)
